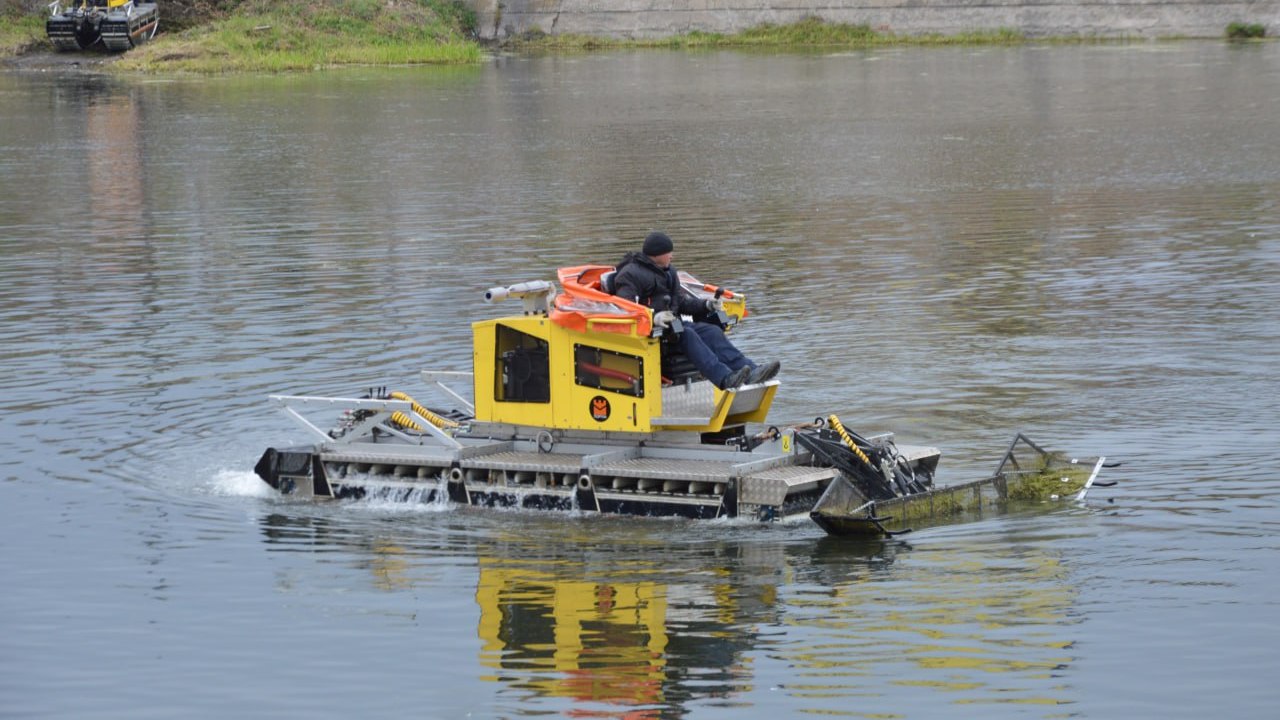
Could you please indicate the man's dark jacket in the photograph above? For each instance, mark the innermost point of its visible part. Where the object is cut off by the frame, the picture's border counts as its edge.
(639, 279)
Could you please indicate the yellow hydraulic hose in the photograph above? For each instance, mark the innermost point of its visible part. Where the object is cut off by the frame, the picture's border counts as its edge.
(844, 435)
(401, 419)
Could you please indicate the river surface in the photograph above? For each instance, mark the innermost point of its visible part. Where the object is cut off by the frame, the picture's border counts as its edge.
(1079, 243)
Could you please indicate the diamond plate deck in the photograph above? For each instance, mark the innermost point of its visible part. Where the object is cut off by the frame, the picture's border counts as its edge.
(668, 469)
(747, 399)
(691, 404)
(393, 455)
(771, 487)
(530, 461)
(794, 475)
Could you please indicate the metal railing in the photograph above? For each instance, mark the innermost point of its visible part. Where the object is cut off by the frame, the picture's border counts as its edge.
(379, 417)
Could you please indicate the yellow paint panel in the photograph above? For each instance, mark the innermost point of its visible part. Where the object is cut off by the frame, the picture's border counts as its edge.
(613, 407)
(532, 372)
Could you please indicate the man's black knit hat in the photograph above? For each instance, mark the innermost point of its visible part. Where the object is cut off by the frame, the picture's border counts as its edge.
(657, 243)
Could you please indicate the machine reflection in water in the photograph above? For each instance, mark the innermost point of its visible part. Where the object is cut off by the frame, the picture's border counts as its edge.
(614, 628)
(574, 639)
(609, 627)
(999, 630)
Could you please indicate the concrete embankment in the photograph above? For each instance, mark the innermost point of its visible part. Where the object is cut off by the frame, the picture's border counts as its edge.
(637, 19)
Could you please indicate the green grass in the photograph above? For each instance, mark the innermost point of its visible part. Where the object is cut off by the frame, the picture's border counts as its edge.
(268, 36)
(810, 32)
(20, 29)
(1246, 31)
(290, 35)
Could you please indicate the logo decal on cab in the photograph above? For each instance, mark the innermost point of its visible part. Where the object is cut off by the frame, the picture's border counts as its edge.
(600, 408)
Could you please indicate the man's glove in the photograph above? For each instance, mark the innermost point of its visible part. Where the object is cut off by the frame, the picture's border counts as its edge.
(714, 305)
(664, 319)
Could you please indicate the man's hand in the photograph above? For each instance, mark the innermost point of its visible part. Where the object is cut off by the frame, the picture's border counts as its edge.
(714, 305)
(664, 319)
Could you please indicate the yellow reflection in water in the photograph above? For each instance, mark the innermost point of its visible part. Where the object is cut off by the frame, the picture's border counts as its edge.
(841, 629)
(605, 641)
(390, 567)
(986, 631)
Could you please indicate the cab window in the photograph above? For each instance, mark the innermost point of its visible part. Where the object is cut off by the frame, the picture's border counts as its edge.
(608, 370)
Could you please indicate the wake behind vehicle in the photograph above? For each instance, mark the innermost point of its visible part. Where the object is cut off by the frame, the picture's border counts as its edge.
(583, 403)
(113, 25)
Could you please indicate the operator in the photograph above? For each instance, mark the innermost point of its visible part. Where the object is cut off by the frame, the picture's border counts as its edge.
(648, 278)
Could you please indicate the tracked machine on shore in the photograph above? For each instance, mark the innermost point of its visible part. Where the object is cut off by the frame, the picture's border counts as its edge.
(581, 403)
(112, 25)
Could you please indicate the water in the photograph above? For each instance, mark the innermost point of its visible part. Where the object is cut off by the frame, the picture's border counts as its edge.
(1081, 243)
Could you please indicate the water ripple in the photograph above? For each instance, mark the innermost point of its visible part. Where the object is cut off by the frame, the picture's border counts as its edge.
(1061, 247)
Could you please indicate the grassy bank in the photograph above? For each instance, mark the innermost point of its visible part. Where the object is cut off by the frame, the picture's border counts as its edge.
(814, 32)
(810, 32)
(215, 36)
(21, 28)
(260, 35)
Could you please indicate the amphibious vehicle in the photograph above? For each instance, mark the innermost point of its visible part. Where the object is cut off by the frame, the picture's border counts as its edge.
(114, 25)
(582, 402)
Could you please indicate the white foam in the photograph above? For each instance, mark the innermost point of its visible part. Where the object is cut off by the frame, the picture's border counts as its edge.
(400, 500)
(239, 483)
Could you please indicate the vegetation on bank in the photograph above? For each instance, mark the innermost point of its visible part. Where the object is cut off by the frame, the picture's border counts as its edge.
(261, 35)
(809, 32)
(21, 28)
(214, 36)
(1246, 31)
(812, 32)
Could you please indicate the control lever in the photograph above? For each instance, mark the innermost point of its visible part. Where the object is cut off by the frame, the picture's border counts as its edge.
(676, 324)
(720, 316)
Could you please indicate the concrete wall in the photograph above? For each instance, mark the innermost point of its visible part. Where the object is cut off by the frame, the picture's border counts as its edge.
(659, 18)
